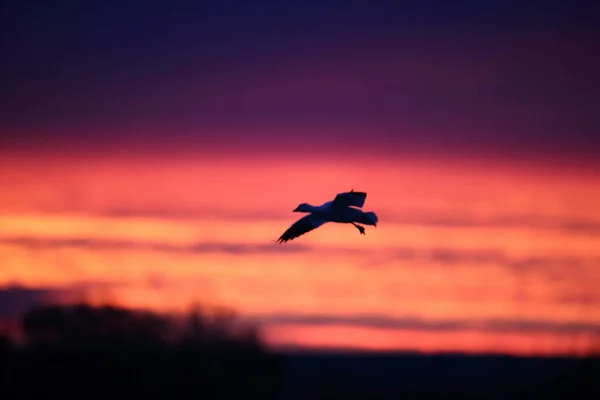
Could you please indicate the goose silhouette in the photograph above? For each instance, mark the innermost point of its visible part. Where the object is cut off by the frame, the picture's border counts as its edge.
(345, 208)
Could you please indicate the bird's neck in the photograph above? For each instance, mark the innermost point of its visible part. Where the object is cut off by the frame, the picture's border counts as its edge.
(309, 208)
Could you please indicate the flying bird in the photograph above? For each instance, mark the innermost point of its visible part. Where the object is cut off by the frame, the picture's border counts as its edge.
(345, 208)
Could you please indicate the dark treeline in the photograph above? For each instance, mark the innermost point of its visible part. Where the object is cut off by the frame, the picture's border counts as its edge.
(86, 352)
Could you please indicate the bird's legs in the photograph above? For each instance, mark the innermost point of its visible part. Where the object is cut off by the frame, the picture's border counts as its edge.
(361, 229)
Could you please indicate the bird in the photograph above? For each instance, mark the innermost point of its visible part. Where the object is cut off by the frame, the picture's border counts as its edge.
(345, 208)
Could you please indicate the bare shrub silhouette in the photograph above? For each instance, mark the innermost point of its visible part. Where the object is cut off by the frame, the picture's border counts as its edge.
(217, 326)
(84, 324)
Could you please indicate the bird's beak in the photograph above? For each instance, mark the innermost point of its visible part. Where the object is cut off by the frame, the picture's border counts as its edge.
(295, 209)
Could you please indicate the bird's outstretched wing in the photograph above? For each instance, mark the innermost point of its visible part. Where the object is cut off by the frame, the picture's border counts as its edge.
(300, 227)
(348, 199)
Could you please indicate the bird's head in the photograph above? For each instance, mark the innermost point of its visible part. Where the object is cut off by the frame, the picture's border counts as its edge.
(304, 207)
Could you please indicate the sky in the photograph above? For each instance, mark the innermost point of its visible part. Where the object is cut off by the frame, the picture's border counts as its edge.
(152, 152)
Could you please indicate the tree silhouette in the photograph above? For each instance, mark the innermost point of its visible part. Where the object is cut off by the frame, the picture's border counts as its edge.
(111, 350)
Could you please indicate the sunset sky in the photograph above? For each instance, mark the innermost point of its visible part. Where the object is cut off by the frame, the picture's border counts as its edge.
(151, 153)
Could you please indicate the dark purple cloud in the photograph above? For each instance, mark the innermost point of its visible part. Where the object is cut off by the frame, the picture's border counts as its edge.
(408, 323)
(388, 257)
(107, 244)
(490, 256)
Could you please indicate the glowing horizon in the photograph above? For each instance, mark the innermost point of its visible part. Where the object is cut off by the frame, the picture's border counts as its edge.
(493, 259)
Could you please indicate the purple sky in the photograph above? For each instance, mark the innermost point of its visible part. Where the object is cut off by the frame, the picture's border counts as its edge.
(513, 77)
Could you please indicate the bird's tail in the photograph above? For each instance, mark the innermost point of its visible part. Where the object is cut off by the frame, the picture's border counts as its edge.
(369, 218)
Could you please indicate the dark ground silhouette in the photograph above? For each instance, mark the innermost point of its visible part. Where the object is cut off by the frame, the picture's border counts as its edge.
(86, 352)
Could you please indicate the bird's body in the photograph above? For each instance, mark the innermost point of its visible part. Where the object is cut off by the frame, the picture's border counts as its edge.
(345, 209)
(335, 214)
